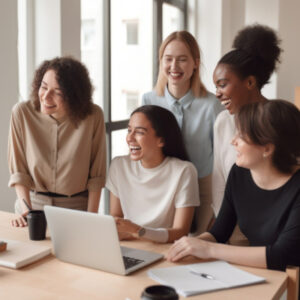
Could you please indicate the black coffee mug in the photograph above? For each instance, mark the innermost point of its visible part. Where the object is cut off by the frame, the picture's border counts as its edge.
(37, 225)
(159, 292)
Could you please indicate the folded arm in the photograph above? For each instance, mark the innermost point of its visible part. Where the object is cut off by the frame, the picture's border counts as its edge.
(205, 247)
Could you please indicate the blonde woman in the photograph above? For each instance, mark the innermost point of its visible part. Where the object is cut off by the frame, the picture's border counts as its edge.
(180, 90)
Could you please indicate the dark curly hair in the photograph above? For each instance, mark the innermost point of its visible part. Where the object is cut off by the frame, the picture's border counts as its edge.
(165, 126)
(75, 84)
(274, 122)
(256, 52)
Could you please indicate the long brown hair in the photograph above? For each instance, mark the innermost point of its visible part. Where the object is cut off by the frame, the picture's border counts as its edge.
(275, 122)
(197, 86)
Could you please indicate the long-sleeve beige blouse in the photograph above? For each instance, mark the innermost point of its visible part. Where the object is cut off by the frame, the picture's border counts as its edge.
(45, 154)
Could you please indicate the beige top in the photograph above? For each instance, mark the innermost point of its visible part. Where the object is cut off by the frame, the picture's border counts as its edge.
(45, 154)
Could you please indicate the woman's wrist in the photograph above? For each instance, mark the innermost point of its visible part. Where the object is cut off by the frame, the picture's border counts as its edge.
(135, 228)
(24, 208)
(212, 249)
(160, 235)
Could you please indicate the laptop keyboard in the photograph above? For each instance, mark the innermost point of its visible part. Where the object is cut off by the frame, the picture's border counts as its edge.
(130, 261)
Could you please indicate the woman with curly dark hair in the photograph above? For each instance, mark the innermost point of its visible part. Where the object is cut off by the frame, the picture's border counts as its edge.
(239, 77)
(56, 146)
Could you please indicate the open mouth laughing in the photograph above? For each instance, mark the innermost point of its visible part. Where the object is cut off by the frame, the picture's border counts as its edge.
(134, 149)
(226, 102)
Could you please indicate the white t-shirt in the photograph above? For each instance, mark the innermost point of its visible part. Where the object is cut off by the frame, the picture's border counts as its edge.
(149, 197)
(224, 156)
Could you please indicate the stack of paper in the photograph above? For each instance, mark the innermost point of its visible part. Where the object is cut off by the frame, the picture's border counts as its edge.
(199, 278)
(20, 254)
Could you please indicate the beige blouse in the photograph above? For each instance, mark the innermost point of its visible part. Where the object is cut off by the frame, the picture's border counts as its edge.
(45, 154)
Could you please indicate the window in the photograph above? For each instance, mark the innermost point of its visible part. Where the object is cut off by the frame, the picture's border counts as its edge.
(173, 19)
(132, 28)
(92, 44)
(119, 144)
(168, 16)
(132, 101)
(88, 34)
(119, 45)
(131, 67)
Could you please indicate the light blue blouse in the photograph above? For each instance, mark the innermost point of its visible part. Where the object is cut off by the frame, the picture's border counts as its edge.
(196, 117)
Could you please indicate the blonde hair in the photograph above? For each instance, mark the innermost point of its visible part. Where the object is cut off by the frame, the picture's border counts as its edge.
(197, 87)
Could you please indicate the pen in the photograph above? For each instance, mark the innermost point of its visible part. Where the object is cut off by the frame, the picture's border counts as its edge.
(27, 205)
(204, 275)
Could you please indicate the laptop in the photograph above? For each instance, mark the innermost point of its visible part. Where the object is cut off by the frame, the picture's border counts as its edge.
(91, 240)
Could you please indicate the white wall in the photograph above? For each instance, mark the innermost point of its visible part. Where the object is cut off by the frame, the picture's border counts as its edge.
(57, 29)
(217, 24)
(208, 34)
(233, 18)
(219, 20)
(265, 12)
(289, 26)
(47, 30)
(283, 16)
(70, 26)
(9, 90)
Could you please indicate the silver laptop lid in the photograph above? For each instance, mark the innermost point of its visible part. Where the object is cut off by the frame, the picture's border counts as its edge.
(84, 238)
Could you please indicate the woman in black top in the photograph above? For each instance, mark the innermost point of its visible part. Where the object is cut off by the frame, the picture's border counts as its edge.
(262, 193)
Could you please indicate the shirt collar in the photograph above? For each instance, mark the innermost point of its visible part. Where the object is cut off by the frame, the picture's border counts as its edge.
(185, 101)
(50, 119)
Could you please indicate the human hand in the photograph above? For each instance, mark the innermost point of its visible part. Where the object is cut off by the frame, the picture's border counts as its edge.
(124, 225)
(125, 236)
(189, 246)
(20, 221)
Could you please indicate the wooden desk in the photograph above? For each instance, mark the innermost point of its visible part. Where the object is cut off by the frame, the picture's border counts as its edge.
(53, 279)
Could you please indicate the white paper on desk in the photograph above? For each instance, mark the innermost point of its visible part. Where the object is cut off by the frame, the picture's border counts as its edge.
(187, 284)
(20, 254)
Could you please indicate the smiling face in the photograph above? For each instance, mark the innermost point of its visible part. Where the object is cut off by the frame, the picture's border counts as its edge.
(143, 143)
(250, 155)
(51, 97)
(178, 65)
(231, 90)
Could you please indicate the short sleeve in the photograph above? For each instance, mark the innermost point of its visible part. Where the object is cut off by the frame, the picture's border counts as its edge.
(111, 182)
(187, 193)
